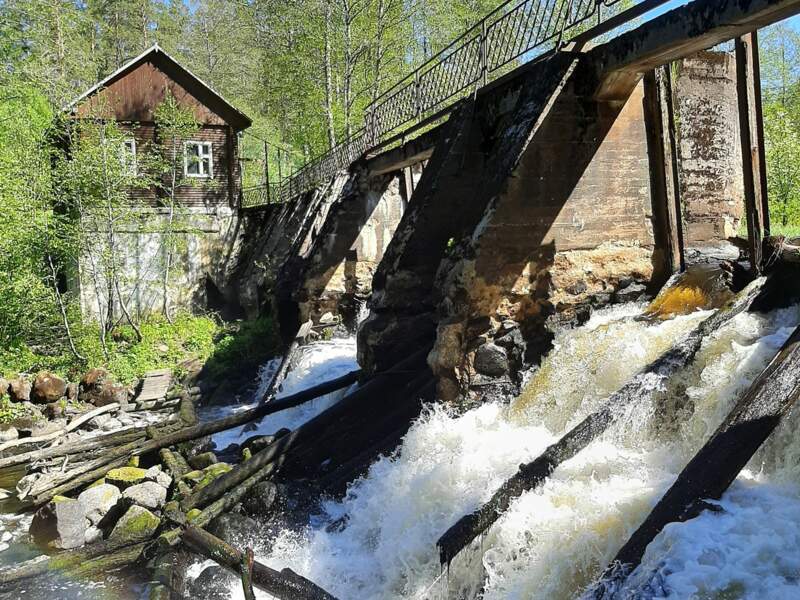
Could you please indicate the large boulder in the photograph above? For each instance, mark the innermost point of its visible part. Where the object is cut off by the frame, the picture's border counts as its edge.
(237, 530)
(157, 474)
(260, 501)
(98, 387)
(491, 359)
(136, 525)
(48, 388)
(19, 390)
(148, 494)
(60, 524)
(98, 500)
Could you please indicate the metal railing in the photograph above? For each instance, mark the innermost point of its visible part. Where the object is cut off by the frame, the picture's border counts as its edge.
(515, 32)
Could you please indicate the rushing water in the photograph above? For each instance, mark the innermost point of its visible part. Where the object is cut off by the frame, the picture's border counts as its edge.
(555, 540)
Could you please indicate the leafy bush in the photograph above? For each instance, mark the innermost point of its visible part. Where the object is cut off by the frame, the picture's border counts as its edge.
(244, 346)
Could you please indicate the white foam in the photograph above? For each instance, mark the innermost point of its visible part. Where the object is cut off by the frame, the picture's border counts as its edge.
(555, 540)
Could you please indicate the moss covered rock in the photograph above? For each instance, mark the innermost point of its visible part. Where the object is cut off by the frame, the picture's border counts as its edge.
(125, 477)
(136, 525)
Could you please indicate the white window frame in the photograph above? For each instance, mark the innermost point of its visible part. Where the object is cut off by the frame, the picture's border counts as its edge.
(206, 151)
(128, 151)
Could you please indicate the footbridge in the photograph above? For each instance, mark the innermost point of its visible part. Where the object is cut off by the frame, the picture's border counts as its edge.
(531, 171)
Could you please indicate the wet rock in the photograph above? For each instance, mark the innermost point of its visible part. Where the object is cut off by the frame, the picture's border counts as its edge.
(201, 461)
(235, 529)
(99, 421)
(60, 524)
(148, 494)
(630, 293)
(257, 443)
(577, 288)
(125, 477)
(135, 525)
(48, 388)
(157, 474)
(260, 500)
(98, 500)
(214, 583)
(491, 359)
(19, 390)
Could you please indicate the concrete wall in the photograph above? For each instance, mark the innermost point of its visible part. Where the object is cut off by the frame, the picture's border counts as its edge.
(200, 239)
(710, 155)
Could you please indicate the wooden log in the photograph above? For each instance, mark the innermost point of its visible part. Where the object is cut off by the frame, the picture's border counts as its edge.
(187, 410)
(277, 452)
(643, 385)
(283, 368)
(65, 560)
(77, 447)
(74, 424)
(719, 461)
(78, 482)
(49, 481)
(246, 569)
(285, 584)
(175, 463)
(190, 433)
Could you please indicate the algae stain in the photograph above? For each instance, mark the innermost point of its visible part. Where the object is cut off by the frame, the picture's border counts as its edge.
(701, 287)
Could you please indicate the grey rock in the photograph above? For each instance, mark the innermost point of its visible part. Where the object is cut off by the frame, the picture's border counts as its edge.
(260, 500)
(61, 524)
(99, 421)
(93, 534)
(630, 293)
(148, 494)
(491, 359)
(8, 433)
(214, 583)
(98, 500)
(237, 530)
(157, 474)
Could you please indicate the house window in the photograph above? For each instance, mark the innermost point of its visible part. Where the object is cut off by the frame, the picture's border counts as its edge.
(198, 160)
(128, 157)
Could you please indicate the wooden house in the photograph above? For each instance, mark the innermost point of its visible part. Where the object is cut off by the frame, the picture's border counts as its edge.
(131, 95)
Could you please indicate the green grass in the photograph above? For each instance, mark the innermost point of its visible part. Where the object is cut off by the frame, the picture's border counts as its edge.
(163, 345)
(790, 231)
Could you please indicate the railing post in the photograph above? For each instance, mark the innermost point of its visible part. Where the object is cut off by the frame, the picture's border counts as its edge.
(484, 54)
(417, 95)
(266, 169)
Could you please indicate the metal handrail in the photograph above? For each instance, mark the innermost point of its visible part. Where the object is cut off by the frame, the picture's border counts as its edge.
(513, 31)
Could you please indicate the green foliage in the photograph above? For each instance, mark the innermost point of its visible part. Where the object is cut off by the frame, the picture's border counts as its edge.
(10, 410)
(163, 345)
(244, 346)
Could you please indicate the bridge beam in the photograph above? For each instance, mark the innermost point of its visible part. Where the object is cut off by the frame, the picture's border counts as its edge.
(679, 33)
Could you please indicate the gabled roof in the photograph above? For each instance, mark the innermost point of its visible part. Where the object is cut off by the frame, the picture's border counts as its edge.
(181, 75)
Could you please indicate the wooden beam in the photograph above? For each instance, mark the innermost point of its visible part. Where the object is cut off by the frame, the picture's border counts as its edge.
(662, 150)
(747, 84)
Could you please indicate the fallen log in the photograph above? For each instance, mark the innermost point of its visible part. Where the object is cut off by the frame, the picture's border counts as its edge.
(284, 584)
(50, 481)
(246, 568)
(56, 434)
(718, 463)
(277, 452)
(190, 433)
(175, 463)
(81, 480)
(648, 381)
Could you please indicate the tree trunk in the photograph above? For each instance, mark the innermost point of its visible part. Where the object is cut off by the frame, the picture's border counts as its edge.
(328, 76)
(719, 461)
